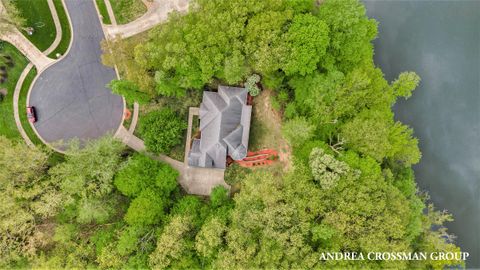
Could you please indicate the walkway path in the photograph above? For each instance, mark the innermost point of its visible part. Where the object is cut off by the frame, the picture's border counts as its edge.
(199, 181)
(24, 45)
(133, 124)
(110, 12)
(18, 86)
(158, 12)
(16, 97)
(39, 59)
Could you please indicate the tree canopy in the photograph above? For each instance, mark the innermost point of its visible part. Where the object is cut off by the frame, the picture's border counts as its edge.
(350, 186)
(10, 17)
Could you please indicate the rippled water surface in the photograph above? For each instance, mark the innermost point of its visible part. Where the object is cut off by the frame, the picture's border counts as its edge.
(440, 40)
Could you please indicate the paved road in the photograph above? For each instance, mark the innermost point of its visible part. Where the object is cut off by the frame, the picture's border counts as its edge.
(70, 96)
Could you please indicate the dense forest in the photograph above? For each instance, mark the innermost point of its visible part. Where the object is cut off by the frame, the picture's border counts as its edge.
(350, 186)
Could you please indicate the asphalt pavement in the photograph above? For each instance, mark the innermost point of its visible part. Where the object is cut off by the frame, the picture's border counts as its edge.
(70, 97)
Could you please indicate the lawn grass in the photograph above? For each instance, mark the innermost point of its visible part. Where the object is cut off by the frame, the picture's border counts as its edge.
(37, 15)
(127, 10)
(102, 8)
(7, 121)
(66, 33)
(22, 107)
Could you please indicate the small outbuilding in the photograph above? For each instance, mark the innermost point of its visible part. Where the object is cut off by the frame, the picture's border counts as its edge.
(224, 128)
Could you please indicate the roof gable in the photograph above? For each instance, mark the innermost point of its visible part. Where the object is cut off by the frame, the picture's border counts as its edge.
(224, 126)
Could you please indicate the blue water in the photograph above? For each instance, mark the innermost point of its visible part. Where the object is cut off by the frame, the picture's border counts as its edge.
(440, 40)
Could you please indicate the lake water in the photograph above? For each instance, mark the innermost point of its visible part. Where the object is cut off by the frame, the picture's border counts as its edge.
(440, 40)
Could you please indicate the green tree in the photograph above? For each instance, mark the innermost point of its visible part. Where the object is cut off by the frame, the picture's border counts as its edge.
(235, 174)
(27, 196)
(150, 183)
(235, 67)
(174, 246)
(264, 39)
(250, 37)
(326, 169)
(351, 33)
(86, 177)
(405, 84)
(109, 258)
(192, 207)
(141, 172)
(375, 134)
(120, 53)
(10, 17)
(265, 230)
(146, 209)
(162, 130)
(128, 239)
(307, 37)
(129, 90)
(435, 238)
(210, 238)
(297, 131)
(94, 210)
(219, 196)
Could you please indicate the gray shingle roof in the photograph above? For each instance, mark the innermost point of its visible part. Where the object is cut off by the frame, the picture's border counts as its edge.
(224, 126)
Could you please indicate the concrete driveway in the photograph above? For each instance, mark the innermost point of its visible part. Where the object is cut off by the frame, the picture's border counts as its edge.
(70, 97)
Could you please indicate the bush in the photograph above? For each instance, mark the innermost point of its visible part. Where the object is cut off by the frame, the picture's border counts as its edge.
(235, 174)
(251, 85)
(162, 130)
(275, 103)
(141, 173)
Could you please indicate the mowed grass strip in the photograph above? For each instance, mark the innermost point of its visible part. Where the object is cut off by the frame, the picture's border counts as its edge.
(7, 121)
(127, 10)
(22, 107)
(66, 33)
(38, 16)
(102, 8)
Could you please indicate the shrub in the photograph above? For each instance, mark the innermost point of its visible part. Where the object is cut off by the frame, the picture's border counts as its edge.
(162, 130)
(235, 174)
(275, 103)
(142, 172)
(251, 85)
(139, 173)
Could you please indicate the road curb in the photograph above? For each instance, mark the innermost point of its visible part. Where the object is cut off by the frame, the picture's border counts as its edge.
(117, 132)
(72, 37)
(28, 68)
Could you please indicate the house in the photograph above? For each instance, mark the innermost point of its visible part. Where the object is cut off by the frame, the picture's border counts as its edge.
(224, 128)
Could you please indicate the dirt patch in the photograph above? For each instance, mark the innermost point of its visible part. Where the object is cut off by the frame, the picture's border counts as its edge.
(266, 129)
